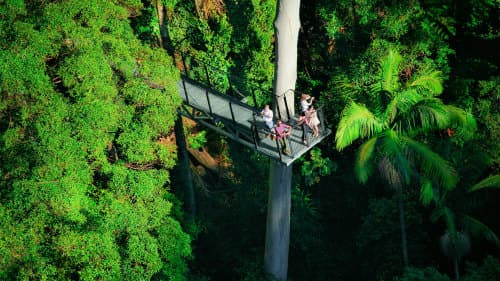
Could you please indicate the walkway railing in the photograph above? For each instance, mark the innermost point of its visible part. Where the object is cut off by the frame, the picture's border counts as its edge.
(196, 77)
(207, 74)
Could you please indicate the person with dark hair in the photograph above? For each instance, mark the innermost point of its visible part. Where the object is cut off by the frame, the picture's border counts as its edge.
(282, 131)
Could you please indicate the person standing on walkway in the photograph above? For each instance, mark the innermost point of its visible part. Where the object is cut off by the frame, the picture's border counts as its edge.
(267, 115)
(305, 101)
(313, 120)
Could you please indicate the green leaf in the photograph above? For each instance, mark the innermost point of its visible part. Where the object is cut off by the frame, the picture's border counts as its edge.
(402, 102)
(365, 154)
(389, 72)
(477, 228)
(489, 182)
(428, 114)
(426, 192)
(427, 82)
(393, 150)
(431, 164)
(356, 122)
(462, 120)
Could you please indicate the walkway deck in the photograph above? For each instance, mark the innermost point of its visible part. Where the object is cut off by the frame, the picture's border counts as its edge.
(239, 121)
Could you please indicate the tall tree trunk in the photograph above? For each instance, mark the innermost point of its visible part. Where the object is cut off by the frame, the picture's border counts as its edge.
(278, 221)
(164, 39)
(161, 20)
(455, 268)
(184, 170)
(404, 242)
(287, 27)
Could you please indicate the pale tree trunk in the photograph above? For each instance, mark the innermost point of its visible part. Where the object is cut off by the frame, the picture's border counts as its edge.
(287, 26)
(278, 221)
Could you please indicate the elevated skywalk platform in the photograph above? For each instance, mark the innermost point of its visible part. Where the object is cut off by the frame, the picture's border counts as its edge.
(241, 122)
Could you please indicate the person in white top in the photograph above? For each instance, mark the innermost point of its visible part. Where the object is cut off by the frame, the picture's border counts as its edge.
(267, 115)
(305, 101)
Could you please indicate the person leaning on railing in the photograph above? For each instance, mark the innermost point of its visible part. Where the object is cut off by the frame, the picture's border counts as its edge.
(312, 115)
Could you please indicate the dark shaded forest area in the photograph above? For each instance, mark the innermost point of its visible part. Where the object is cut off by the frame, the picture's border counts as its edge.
(101, 179)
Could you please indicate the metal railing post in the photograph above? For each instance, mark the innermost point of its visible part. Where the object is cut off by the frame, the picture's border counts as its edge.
(278, 107)
(321, 119)
(255, 133)
(286, 107)
(184, 81)
(231, 91)
(185, 91)
(232, 112)
(208, 76)
(206, 90)
(255, 105)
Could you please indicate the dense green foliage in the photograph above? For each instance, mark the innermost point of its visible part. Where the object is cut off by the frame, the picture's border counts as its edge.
(84, 189)
(235, 38)
(87, 106)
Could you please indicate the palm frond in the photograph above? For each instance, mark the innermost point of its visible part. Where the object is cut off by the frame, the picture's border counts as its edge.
(345, 86)
(437, 213)
(431, 164)
(479, 229)
(363, 165)
(449, 219)
(428, 114)
(391, 147)
(356, 122)
(462, 120)
(447, 215)
(492, 181)
(389, 71)
(426, 192)
(390, 173)
(402, 102)
(427, 83)
(374, 89)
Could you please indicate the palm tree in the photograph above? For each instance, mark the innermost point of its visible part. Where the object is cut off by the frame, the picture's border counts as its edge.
(455, 242)
(399, 112)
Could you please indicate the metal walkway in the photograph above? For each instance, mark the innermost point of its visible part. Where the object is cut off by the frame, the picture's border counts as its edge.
(241, 122)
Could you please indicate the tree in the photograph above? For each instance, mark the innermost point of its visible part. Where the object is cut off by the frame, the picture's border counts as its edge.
(422, 274)
(287, 26)
(455, 242)
(400, 112)
(83, 104)
(182, 169)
